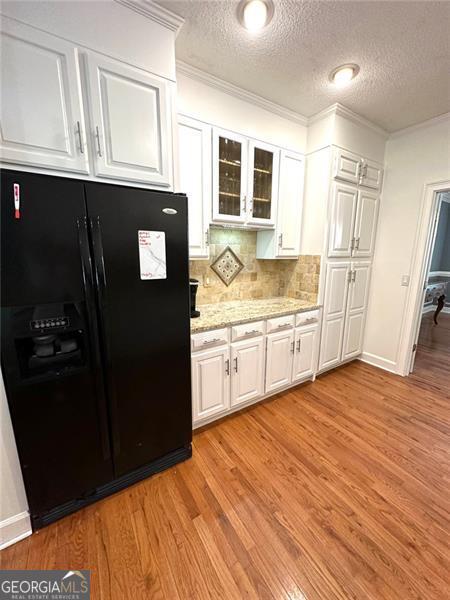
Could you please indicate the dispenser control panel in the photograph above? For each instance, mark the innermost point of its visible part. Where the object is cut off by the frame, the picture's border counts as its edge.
(48, 324)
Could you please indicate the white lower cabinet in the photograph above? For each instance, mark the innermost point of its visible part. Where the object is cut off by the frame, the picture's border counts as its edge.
(336, 290)
(252, 365)
(280, 350)
(345, 307)
(247, 370)
(356, 310)
(210, 383)
(304, 362)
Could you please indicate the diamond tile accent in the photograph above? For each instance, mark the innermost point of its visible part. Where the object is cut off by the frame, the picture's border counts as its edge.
(227, 265)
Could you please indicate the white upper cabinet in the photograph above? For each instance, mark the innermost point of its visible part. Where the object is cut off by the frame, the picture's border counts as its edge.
(353, 222)
(41, 112)
(130, 122)
(355, 169)
(365, 225)
(229, 177)
(284, 242)
(263, 169)
(344, 202)
(290, 203)
(194, 143)
(346, 166)
(371, 175)
(247, 370)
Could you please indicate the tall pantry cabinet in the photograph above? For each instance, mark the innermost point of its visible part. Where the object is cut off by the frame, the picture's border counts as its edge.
(348, 247)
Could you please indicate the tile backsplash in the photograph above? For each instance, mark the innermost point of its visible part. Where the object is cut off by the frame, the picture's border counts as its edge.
(297, 278)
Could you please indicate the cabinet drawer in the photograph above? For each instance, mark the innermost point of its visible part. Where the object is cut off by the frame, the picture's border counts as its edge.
(209, 339)
(280, 323)
(247, 330)
(307, 318)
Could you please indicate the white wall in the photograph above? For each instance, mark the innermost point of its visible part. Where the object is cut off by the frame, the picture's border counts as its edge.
(206, 103)
(413, 158)
(340, 127)
(360, 139)
(14, 519)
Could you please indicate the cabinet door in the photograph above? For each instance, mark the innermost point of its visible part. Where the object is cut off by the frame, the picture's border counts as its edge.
(356, 309)
(194, 142)
(290, 204)
(371, 175)
(263, 169)
(346, 166)
(280, 350)
(334, 311)
(229, 177)
(305, 353)
(343, 214)
(131, 128)
(210, 383)
(365, 224)
(247, 369)
(41, 112)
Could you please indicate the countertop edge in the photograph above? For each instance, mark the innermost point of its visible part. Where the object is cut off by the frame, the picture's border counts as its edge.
(230, 323)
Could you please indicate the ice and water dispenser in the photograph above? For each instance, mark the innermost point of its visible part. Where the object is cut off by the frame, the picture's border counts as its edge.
(49, 340)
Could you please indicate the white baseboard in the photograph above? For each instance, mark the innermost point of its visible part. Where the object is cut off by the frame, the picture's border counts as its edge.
(427, 308)
(14, 529)
(439, 274)
(378, 361)
(432, 307)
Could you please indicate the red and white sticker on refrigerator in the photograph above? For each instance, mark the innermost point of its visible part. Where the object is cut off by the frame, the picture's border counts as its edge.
(16, 188)
(152, 254)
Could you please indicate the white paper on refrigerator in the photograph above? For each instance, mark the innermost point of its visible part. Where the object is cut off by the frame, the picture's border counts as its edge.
(152, 254)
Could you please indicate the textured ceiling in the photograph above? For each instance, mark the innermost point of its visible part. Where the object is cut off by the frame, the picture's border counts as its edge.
(403, 49)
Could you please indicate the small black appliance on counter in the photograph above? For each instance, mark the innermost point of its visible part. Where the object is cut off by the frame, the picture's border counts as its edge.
(193, 284)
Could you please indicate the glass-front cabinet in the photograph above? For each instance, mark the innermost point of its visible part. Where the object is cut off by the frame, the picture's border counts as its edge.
(263, 168)
(229, 177)
(245, 180)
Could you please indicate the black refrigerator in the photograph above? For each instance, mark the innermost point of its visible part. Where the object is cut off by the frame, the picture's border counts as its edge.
(95, 335)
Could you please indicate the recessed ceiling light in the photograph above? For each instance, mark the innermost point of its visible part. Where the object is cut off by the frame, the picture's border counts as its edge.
(255, 14)
(342, 75)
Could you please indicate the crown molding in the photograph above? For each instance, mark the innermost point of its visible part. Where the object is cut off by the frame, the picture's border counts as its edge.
(155, 12)
(424, 124)
(240, 93)
(343, 111)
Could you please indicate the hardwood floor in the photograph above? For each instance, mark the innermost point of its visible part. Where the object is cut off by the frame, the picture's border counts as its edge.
(337, 489)
(432, 364)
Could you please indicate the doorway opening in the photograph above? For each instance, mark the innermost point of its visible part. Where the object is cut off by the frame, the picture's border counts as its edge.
(431, 357)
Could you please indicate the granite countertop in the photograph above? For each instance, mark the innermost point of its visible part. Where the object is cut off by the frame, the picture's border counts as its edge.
(224, 314)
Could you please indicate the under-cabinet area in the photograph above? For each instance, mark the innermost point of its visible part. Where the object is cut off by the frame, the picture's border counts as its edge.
(244, 351)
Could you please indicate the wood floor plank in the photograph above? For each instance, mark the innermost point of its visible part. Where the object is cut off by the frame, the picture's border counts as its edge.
(337, 489)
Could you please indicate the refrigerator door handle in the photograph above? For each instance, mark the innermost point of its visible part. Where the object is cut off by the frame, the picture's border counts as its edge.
(100, 283)
(86, 267)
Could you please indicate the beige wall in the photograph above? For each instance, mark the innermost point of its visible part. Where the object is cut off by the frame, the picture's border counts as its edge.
(414, 158)
(14, 519)
(259, 278)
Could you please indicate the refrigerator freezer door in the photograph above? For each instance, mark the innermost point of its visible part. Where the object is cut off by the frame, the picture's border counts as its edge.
(141, 261)
(48, 344)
